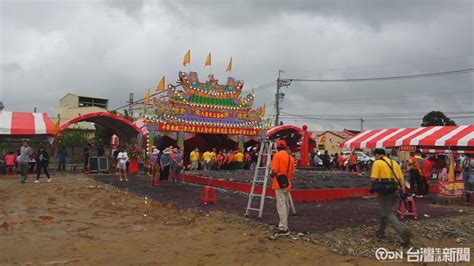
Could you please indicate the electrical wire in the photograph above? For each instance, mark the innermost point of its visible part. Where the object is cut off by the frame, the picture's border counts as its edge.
(389, 103)
(424, 75)
(383, 114)
(142, 100)
(386, 97)
(293, 116)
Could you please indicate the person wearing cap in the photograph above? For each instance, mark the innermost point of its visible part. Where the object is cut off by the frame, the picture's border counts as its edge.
(24, 160)
(387, 178)
(154, 165)
(165, 162)
(283, 164)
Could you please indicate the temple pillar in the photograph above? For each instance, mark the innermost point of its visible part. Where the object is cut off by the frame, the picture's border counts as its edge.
(305, 148)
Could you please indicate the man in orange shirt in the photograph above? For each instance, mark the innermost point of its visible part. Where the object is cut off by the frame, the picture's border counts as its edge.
(353, 162)
(283, 164)
(342, 160)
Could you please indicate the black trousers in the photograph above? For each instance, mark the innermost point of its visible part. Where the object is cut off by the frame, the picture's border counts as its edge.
(415, 178)
(43, 167)
(165, 173)
(62, 165)
(426, 187)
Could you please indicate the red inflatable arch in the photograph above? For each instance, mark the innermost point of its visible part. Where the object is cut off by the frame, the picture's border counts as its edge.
(118, 124)
(297, 138)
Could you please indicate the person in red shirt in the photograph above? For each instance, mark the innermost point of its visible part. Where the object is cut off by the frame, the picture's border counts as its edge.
(220, 160)
(427, 167)
(283, 164)
(247, 160)
(10, 162)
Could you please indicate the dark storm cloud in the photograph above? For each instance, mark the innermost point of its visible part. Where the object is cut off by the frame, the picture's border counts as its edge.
(372, 12)
(111, 48)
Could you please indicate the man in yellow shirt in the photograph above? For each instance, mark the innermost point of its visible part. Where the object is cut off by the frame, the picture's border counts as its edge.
(214, 159)
(239, 159)
(206, 157)
(194, 158)
(386, 179)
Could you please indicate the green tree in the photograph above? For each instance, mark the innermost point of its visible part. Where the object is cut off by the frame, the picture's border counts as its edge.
(437, 118)
(74, 137)
(102, 134)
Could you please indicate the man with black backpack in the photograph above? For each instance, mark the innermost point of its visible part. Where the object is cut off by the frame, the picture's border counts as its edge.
(387, 179)
(283, 169)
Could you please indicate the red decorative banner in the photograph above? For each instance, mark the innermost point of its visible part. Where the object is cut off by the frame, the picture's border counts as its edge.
(408, 148)
(208, 129)
(452, 189)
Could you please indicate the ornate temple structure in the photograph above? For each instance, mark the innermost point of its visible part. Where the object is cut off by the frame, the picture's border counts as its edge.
(205, 115)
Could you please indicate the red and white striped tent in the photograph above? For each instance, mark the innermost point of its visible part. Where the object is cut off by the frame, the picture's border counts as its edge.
(429, 137)
(25, 124)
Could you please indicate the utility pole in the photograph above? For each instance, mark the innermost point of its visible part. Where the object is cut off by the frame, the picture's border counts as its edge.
(130, 105)
(279, 96)
(362, 124)
(277, 100)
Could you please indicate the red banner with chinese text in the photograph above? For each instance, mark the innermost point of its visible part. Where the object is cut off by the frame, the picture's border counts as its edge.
(452, 189)
(210, 114)
(408, 148)
(208, 129)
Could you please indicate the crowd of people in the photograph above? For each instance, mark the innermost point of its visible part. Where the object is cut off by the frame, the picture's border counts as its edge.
(340, 162)
(165, 165)
(26, 161)
(212, 159)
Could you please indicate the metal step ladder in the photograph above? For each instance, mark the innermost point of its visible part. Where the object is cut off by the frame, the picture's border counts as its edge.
(260, 177)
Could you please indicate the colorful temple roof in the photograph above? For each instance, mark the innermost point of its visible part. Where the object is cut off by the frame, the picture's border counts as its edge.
(192, 103)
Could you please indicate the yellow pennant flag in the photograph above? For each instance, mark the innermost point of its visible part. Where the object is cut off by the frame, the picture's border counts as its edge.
(208, 60)
(55, 128)
(147, 98)
(451, 168)
(229, 66)
(161, 85)
(187, 58)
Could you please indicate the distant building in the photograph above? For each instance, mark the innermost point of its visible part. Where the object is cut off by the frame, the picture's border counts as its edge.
(72, 105)
(329, 140)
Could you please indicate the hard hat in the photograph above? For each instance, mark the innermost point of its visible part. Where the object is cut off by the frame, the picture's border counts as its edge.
(281, 144)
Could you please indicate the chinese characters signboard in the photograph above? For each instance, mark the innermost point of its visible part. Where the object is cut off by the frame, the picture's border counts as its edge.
(208, 129)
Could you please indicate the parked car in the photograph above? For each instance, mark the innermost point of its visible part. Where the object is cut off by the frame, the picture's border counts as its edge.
(361, 157)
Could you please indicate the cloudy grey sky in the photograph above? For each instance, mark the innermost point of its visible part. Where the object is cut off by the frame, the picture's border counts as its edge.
(110, 48)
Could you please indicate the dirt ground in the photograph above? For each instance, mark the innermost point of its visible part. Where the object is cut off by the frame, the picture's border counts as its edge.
(79, 220)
